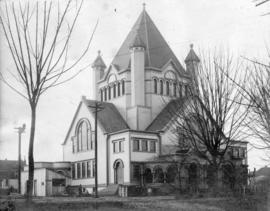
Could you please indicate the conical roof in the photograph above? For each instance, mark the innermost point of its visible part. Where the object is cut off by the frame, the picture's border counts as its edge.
(99, 62)
(192, 57)
(137, 41)
(157, 51)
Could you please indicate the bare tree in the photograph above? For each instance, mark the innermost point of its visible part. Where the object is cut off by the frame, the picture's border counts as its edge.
(211, 117)
(39, 36)
(257, 95)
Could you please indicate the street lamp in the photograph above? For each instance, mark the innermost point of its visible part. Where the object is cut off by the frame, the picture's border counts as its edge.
(20, 130)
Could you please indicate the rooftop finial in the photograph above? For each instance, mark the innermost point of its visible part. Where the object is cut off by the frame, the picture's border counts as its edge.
(99, 52)
(144, 5)
(191, 45)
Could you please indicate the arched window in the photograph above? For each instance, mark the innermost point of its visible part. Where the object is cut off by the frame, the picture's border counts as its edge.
(123, 87)
(161, 87)
(171, 173)
(186, 90)
(105, 94)
(101, 95)
(155, 86)
(180, 90)
(174, 89)
(167, 88)
(114, 90)
(119, 88)
(109, 90)
(83, 136)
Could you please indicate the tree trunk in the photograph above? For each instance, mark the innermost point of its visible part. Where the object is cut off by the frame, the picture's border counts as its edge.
(30, 153)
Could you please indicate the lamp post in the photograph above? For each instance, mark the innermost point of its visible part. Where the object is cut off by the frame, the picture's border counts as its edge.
(20, 130)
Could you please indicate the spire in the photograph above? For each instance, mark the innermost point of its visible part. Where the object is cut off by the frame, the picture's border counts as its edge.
(99, 61)
(192, 57)
(144, 6)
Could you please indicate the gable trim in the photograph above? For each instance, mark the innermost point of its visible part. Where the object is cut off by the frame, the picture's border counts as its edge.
(72, 122)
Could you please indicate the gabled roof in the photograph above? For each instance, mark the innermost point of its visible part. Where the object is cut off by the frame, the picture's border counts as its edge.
(157, 51)
(166, 115)
(109, 117)
(192, 56)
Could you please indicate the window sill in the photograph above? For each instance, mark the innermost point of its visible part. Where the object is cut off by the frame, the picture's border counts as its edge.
(118, 152)
(83, 178)
(88, 150)
(144, 151)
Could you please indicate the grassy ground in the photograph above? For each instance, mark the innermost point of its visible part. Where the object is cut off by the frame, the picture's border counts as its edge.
(168, 203)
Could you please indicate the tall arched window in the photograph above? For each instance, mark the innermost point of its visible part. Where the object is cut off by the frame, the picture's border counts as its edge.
(101, 95)
(114, 90)
(119, 88)
(109, 90)
(105, 94)
(180, 90)
(123, 87)
(155, 86)
(167, 88)
(174, 89)
(83, 136)
(161, 87)
(186, 90)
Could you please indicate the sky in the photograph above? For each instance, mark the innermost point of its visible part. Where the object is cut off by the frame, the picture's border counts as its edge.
(209, 24)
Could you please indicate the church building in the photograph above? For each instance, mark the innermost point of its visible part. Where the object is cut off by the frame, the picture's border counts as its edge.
(135, 93)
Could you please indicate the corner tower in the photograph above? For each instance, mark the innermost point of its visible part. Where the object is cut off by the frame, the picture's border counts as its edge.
(192, 61)
(98, 67)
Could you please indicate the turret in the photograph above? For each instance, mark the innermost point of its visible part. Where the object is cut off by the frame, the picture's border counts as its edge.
(98, 72)
(192, 61)
(137, 51)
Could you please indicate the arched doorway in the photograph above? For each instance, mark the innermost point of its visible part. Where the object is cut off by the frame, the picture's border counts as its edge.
(158, 175)
(118, 172)
(148, 178)
(193, 175)
(171, 173)
(228, 176)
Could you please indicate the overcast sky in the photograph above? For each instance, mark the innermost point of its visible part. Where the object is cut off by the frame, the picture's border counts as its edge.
(208, 24)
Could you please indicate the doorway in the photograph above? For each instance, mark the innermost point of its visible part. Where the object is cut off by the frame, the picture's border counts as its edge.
(118, 172)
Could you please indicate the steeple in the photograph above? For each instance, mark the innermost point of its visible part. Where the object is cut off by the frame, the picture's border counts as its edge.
(98, 67)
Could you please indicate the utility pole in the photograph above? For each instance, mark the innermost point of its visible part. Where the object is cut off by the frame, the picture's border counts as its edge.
(20, 131)
(97, 107)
